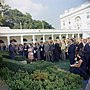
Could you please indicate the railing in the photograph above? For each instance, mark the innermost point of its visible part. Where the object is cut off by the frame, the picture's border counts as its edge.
(7, 30)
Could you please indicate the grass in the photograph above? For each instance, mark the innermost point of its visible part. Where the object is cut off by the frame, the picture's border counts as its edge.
(61, 64)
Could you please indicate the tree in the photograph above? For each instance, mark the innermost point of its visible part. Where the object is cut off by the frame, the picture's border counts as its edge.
(16, 20)
(2, 20)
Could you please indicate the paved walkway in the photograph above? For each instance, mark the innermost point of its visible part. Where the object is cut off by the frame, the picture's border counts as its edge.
(88, 85)
(3, 86)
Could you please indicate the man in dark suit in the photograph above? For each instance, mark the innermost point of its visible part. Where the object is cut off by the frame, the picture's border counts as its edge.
(51, 49)
(57, 51)
(41, 48)
(72, 51)
(80, 47)
(87, 54)
(25, 50)
(12, 50)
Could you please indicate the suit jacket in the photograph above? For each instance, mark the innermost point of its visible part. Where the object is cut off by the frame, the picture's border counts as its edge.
(11, 49)
(87, 51)
(41, 48)
(80, 46)
(25, 48)
(72, 49)
(46, 47)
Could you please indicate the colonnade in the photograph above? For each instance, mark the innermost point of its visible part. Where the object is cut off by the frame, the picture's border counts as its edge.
(34, 38)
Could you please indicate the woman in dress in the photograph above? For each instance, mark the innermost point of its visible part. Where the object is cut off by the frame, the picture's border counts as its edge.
(30, 54)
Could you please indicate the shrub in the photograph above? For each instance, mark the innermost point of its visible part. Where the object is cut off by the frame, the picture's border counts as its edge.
(4, 52)
(40, 80)
(17, 57)
(40, 75)
(15, 65)
(20, 58)
(5, 56)
(1, 59)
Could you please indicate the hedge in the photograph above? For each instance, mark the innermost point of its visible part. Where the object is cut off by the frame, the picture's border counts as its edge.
(17, 57)
(39, 75)
(16, 65)
(40, 80)
(1, 59)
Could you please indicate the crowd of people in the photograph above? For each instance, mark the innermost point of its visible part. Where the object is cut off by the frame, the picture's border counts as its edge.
(78, 53)
(49, 50)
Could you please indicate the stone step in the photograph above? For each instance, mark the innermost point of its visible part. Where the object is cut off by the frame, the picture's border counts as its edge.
(3, 86)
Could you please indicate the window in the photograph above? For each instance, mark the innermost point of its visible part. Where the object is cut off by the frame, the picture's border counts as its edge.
(41, 38)
(78, 19)
(57, 37)
(88, 15)
(50, 38)
(1, 41)
(78, 22)
(36, 39)
(69, 22)
(78, 27)
(25, 40)
(63, 23)
(69, 27)
(88, 25)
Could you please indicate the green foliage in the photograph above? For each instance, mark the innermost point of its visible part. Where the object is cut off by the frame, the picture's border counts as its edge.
(16, 65)
(63, 64)
(3, 53)
(2, 20)
(1, 59)
(40, 80)
(20, 58)
(16, 20)
(5, 56)
(17, 57)
(40, 75)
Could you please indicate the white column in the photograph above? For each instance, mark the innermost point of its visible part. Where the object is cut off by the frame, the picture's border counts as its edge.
(78, 35)
(33, 38)
(21, 39)
(2, 14)
(52, 37)
(60, 37)
(8, 40)
(43, 38)
(72, 35)
(66, 36)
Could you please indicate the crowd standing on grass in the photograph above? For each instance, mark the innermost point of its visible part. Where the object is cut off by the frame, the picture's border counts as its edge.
(50, 50)
(78, 52)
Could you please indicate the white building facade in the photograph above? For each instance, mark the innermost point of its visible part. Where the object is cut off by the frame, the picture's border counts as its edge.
(76, 18)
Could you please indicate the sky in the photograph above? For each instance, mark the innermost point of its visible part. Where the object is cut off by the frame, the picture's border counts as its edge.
(48, 10)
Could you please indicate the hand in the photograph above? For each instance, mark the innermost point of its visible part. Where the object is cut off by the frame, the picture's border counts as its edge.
(71, 65)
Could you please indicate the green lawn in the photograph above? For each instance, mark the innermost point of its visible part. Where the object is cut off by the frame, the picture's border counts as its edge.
(61, 64)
